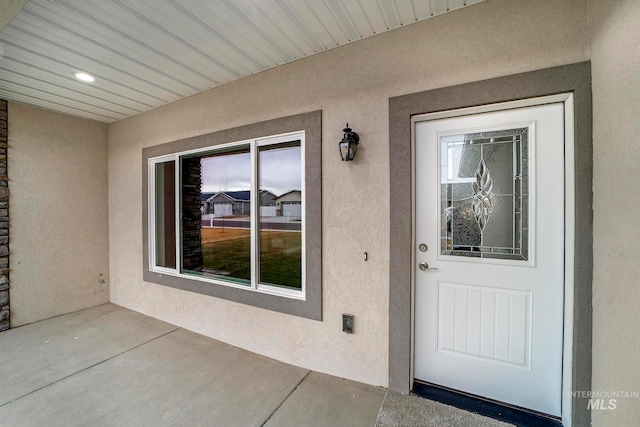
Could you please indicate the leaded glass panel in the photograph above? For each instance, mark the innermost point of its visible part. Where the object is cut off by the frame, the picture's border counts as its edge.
(484, 196)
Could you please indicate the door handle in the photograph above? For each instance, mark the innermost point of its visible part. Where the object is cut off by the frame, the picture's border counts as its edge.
(423, 266)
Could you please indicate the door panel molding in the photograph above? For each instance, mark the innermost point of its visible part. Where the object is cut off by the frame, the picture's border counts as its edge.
(575, 79)
(486, 303)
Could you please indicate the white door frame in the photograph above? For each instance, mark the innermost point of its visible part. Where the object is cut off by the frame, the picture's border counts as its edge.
(569, 218)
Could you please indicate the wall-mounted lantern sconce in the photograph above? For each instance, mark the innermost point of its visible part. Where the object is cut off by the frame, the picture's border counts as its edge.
(349, 144)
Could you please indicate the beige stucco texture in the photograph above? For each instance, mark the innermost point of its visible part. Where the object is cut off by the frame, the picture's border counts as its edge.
(349, 84)
(616, 187)
(58, 214)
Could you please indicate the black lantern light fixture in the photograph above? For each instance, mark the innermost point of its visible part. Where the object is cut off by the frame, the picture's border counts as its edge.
(349, 144)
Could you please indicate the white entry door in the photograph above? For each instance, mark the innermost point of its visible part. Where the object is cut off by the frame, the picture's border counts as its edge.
(489, 254)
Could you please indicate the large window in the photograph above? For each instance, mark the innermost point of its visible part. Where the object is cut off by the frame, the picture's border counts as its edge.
(241, 214)
(237, 214)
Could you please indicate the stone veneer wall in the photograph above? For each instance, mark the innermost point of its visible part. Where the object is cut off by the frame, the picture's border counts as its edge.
(4, 220)
(191, 214)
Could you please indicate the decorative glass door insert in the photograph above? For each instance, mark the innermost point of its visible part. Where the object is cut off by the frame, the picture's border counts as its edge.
(484, 194)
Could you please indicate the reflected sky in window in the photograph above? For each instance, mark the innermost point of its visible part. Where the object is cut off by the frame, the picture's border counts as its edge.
(228, 173)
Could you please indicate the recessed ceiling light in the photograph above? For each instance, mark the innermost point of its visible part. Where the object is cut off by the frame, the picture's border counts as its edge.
(85, 77)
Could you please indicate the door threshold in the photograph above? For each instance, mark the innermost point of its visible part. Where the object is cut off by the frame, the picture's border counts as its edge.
(489, 408)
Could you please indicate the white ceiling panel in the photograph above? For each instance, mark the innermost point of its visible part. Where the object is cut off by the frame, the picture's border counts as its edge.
(406, 12)
(58, 86)
(320, 22)
(147, 53)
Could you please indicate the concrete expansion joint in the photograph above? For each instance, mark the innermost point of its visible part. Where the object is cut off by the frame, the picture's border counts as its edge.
(89, 367)
(285, 398)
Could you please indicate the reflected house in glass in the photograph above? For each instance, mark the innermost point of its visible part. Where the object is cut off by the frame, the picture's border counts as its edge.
(226, 203)
(206, 206)
(267, 198)
(289, 204)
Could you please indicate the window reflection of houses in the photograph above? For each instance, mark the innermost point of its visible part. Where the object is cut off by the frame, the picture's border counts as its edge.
(267, 198)
(227, 203)
(289, 204)
(267, 204)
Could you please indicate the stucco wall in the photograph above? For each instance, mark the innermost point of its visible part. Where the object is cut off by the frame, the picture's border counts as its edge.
(349, 84)
(616, 186)
(58, 206)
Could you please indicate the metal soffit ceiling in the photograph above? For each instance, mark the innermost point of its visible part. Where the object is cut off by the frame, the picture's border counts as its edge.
(147, 53)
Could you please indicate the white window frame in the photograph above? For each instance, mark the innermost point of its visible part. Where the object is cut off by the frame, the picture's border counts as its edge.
(254, 146)
(153, 214)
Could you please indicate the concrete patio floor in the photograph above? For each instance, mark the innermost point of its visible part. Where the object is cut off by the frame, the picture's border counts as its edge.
(109, 366)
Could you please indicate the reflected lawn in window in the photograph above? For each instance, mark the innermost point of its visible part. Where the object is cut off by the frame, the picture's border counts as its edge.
(281, 258)
(225, 255)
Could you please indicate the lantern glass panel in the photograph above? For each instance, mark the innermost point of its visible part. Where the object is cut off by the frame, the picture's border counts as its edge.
(344, 150)
(352, 150)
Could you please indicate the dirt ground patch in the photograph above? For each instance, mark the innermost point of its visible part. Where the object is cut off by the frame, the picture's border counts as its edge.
(218, 234)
